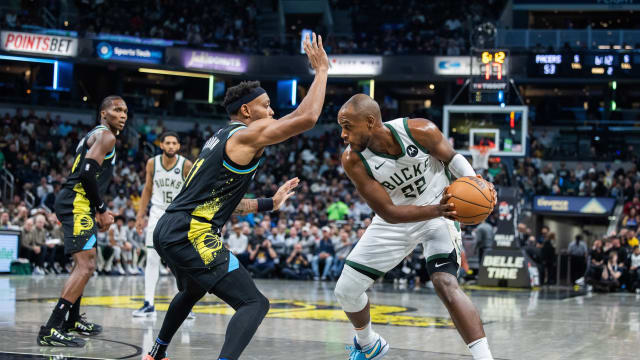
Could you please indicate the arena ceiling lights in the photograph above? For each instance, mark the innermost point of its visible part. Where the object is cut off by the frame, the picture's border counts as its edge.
(185, 74)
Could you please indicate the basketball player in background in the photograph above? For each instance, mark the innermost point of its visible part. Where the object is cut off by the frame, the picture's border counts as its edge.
(188, 236)
(401, 169)
(164, 177)
(79, 207)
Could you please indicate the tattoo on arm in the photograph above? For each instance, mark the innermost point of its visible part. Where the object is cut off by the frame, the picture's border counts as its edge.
(246, 206)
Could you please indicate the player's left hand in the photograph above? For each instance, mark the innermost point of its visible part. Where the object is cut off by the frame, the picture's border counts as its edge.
(104, 220)
(284, 192)
(493, 191)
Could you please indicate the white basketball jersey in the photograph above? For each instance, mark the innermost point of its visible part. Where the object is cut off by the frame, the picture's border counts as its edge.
(412, 178)
(166, 182)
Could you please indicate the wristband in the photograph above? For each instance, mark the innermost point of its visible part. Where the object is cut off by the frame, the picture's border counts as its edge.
(101, 208)
(265, 205)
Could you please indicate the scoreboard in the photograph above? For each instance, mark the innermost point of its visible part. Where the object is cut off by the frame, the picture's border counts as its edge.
(489, 84)
(584, 64)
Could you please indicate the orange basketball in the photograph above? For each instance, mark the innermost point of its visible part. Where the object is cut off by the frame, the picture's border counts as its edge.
(472, 198)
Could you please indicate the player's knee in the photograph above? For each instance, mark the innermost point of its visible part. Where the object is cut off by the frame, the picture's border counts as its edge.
(350, 297)
(445, 285)
(264, 305)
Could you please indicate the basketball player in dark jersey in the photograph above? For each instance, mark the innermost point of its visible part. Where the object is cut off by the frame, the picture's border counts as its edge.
(80, 209)
(188, 235)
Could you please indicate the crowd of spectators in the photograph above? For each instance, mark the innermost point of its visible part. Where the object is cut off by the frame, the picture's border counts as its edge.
(379, 27)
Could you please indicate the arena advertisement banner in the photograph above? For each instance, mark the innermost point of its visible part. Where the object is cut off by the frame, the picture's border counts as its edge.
(354, 65)
(574, 205)
(508, 211)
(41, 44)
(214, 61)
(452, 65)
(9, 241)
(508, 268)
(108, 50)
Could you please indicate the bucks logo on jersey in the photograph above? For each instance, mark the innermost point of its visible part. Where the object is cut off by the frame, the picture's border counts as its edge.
(166, 182)
(412, 178)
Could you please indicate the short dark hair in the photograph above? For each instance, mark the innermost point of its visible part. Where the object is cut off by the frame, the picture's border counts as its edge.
(236, 92)
(106, 102)
(169, 133)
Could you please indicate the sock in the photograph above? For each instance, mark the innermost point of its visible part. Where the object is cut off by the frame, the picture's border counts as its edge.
(365, 335)
(151, 274)
(480, 349)
(74, 312)
(59, 313)
(159, 349)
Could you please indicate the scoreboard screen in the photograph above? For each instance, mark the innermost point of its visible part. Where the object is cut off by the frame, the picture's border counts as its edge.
(489, 84)
(584, 64)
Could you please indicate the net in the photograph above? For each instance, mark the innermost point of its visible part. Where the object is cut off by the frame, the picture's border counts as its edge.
(480, 155)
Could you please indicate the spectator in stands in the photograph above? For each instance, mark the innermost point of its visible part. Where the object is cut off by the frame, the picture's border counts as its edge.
(484, 239)
(32, 247)
(633, 204)
(549, 258)
(237, 243)
(634, 270)
(137, 242)
(324, 254)
(632, 220)
(262, 256)
(5, 223)
(337, 210)
(597, 256)
(578, 252)
(43, 190)
(297, 265)
(342, 250)
(611, 274)
(118, 240)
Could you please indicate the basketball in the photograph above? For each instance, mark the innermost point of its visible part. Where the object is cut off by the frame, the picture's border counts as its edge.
(472, 198)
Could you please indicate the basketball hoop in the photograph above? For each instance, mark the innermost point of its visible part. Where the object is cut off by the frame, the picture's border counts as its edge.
(480, 155)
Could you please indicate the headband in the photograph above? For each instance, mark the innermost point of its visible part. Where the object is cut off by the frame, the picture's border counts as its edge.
(233, 107)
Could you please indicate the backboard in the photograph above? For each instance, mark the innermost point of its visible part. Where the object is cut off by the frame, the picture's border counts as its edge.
(470, 125)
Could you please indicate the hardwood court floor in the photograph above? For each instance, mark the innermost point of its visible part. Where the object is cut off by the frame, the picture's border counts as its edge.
(305, 322)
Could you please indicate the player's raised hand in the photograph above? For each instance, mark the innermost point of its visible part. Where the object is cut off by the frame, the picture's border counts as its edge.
(315, 52)
(284, 192)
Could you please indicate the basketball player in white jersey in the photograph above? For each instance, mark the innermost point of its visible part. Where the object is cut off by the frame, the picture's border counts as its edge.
(401, 168)
(165, 175)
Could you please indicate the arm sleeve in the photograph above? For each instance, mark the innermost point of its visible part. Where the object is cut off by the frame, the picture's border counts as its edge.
(460, 167)
(90, 184)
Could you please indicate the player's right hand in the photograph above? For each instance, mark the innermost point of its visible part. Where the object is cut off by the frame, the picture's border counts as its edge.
(446, 209)
(139, 225)
(104, 220)
(316, 54)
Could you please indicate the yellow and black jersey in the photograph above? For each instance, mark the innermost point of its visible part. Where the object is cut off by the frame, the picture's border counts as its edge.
(215, 185)
(105, 172)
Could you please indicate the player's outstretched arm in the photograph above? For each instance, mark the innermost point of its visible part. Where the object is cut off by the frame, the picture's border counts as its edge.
(248, 206)
(269, 131)
(376, 196)
(145, 196)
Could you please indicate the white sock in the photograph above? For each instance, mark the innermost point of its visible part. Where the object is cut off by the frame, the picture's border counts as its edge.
(365, 336)
(151, 274)
(480, 349)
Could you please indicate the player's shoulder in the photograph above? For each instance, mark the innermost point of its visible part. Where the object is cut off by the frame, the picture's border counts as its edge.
(349, 157)
(420, 124)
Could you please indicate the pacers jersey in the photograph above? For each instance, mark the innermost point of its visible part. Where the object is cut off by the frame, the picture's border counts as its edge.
(215, 185)
(103, 174)
(166, 182)
(412, 178)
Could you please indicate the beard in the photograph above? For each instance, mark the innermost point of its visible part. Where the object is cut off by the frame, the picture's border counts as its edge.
(170, 155)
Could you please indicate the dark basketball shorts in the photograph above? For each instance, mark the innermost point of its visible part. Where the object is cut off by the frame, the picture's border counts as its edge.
(78, 221)
(192, 249)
